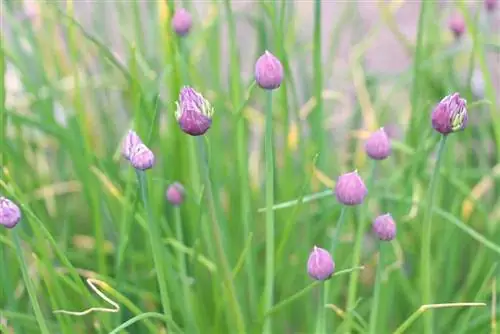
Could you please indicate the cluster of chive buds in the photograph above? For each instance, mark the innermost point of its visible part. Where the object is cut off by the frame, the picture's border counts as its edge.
(448, 116)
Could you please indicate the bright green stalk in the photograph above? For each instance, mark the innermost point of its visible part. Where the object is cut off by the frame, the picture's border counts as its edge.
(155, 240)
(187, 307)
(425, 260)
(376, 292)
(321, 327)
(317, 116)
(356, 256)
(44, 329)
(269, 279)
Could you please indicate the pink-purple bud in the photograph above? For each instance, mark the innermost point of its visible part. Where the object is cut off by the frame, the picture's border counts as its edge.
(10, 214)
(457, 25)
(129, 143)
(490, 5)
(142, 157)
(268, 71)
(384, 227)
(350, 189)
(378, 145)
(320, 265)
(175, 194)
(182, 22)
(194, 112)
(450, 115)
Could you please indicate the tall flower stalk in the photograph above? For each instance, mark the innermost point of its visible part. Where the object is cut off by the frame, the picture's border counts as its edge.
(449, 115)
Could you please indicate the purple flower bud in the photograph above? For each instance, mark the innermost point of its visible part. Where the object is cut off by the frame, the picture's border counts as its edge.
(320, 265)
(194, 112)
(350, 189)
(10, 214)
(129, 143)
(490, 5)
(175, 194)
(378, 145)
(450, 115)
(268, 71)
(182, 22)
(384, 227)
(142, 157)
(457, 25)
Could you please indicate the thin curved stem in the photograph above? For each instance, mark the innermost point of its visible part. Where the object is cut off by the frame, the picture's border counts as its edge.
(425, 264)
(376, 291)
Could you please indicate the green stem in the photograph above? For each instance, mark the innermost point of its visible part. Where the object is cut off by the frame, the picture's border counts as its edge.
(321, 327)
(376, 291)
(269, 278)
(44, 329)
(187, 306)
(317, 116)
(425, 264)
(155, 240)
(356, 257)
(216, 219)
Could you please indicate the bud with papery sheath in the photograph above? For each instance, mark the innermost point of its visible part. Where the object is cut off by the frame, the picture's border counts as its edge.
(378, 145)
(129, 143)
(142, 157)
(320, 265)
(450, 115)
(175, 194)
(384, 227)
(194, 112)
(10, 214)
(182, 22)
(350, 189)
(268, 71)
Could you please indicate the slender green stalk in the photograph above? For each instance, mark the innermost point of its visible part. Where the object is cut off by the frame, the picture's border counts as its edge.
(425, 260)
(356, 256)
(269, 278)
(44, 329)
(155, 240)
(317, 116)
(321, 327)
(187, 306)
(376, 292)
(216, 219)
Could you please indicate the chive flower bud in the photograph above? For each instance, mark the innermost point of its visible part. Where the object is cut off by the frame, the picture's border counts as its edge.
(350, 189)
(10, 214)
(384, 227)
(194, 112)
(142, 157)
(268, 71)
(320, 265)
(182, 22)
(450, 115)
(457, 25)
(129, 143)
(490, 5)
(378, 145)
(175, 194)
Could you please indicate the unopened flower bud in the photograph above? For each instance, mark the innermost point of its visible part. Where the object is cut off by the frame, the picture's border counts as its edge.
(490, 5)
(350, 189)
(268, 71)
(378, 145)
(320, 265)
(10, 214)
(457, 25)
(384, 227)
(129, 143)
(175, 194)
(450, 115)
(142, 157)
(182, 22)
(194, 112)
